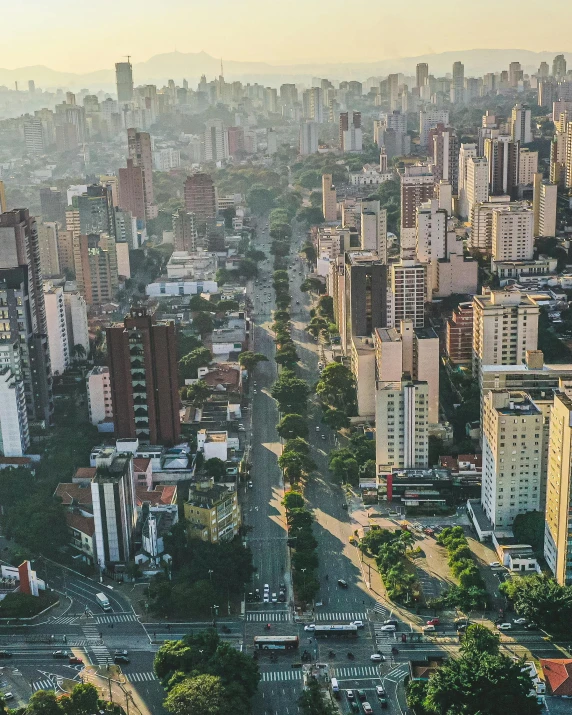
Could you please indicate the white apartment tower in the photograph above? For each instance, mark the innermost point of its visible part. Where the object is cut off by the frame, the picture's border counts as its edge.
(512, 452)
(465, 151)
(520, 127)
(408, 293)
(308, 138)
(428, 119)
(14, 433)
(57, 329)
(477, 186)
(431, 237)
(513, 238)
(544, 202)
(528, 166)
(216, 141)
(99, 395)
(374, 228)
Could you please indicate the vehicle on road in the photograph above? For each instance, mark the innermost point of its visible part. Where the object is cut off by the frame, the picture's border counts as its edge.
(323, 436)
(382, 701)
(8, 696)
(276, 642)
(428, 629)
(388, 628)
(390, 622)
(118, 659)
(266, 588)
(282, 597)
(342, 583)
(519, 621)
(377, 657)
(367, 708)
(60, 654)
(120, 652)
(504, 626)
(74, 660)
(350, 695)
(103, 601)
(379, 690)
(433, 622)
(274, 598)
(531, 626)
(311, 627)
(494, 564)
(250, 484)
(361, 695)
(5, 654)
(357, 624)
(334, 685)
(266, 598)
(342, 631)
(241, 428)
(317, 428)
(344, 506)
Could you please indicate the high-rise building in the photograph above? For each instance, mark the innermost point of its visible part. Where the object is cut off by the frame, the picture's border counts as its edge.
(408, 293)
(96, 211)
(373, 232)
(132, 190)
(65, 252)
(544, 203)
(313, 104)
(444, 144)
(95, 260)
(421, 74)
(505, 326)
(520, 127)
(124, 81)
(431, 240)
(458, 83)
(393, 92)
(99, 395)
(14, 430)
(528, 166)
(235, 141)
(200, 196)
(141, 153)
(144, 382)
(465, 151)
(477, 187)
(49, 250)
(329, 199)
(402, 422)
(503, 156)
(428, 119)
(308, 143)
(417, 186)
(76, 320)
(216, 141)
(57, 328)
(288, 95)
(482, 221)
(513, 238)
(3, 202)
(515, 74)
(543, 70)
(559, 67)
(185, 231)
(53, 205)
(350, 132)
(114, 508)
(558, 526)
(34, 136)
(460, 335)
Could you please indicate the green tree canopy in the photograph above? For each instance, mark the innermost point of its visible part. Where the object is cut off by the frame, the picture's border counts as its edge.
(337, 386)
(197, 393)
(542, 600)
(203, 324)
(293, 500)
(215, 467)
(292, 425)
(260, 199)
(291, 393)
(190, 363)
(249, 360)
(201, 695)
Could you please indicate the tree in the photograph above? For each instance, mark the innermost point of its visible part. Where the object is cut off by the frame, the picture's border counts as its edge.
(198, 393)
(203, 324)
(312, 284)
(337, 386)
(326, 307)
(479, 639)
(247, 268)
(260, 199)
(335, 418)
(291, 393)
(223, 275)
(215, 467)
(311, 216)
(83, 700)
(202, 695)
(190, 363)
(542, 600)
(234, 667)
(293, 500)
(224, 306)
(78, 352)
(199, 304)
(298, 445)
(249, 360)
(344, 466)
(43, 702)
(286, 355)
(310, 179)
(292, 425)
(316, 198)
(310, 252)
(295, 464)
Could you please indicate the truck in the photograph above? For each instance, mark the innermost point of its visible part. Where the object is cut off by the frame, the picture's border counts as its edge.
(103, 601)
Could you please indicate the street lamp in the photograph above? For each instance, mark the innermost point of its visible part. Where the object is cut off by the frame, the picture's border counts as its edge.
(214, 612)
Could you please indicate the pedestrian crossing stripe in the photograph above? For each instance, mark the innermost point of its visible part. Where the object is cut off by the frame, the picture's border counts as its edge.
(341, 616)
(273, 676)
(124, 618)
(66, 620)
(140, 677)
(379, 608)
(43, 685)
(359, 671)
(268, 617)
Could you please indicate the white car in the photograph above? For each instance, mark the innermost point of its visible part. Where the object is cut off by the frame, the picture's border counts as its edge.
(358, 624)
(255, 391)
(241, 428)
(379, 690)
(376, 657)
(317, 429)
(250, 484)
(266, 598)
(494, 564)
(504, 626)
(389, 628)
(266, 588)
(274, 598)
(310, 627)
(519, 621)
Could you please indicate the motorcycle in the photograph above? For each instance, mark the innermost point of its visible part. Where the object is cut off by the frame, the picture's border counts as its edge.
(394, 650)
(350, 655)
(268, 626)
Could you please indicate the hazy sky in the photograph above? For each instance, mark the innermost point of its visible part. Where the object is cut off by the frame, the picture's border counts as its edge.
(84, 35)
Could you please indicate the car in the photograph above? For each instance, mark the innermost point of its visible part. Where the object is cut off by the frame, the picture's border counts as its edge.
(519, 621)
(266, 598)
(121, 659)
(531, 626)
(255, 392)
(494, 564)
(354, 706)
(388, 628)
(274, 598)
(342, 583)
(344, 506)
(361, 695)
(250, 484)
(120, 652)
(5, 654)
(257, 592)
(350, 695)
(60, 654)
(282, 597)
(74, 660)
(358, 624)
(317, 429)
(367, 708)
(241, 428)
(266, 587)
(376, 657)
(462, 627)
(428, 629)
(504, 626)
(379, 690)
(382, 701)
(297, 302)
(433, 622)
(282, 587)
(310, 627)
(390, 622)
(8, 696)
(323, 436)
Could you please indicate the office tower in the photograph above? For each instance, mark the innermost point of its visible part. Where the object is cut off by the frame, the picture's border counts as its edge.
(3, 202)
(512, 449)
(124, 82)
(421, 74)
(431, 240)
(329, 199)
(65, 252)
(132, 190)
(14, 431)
(49, 252)
(185, 231)
(96, 212)
(235, 141)
(114, 508)
(460, 335)
(76, 320)
(34, 136)
(428, 119)
(212, 512)
(288, 95)
(445, 151)
(466, 151)
(350, 131)
(408, 292)
(271, 142)
(393, 92)
(547, 93)
(57, 330)
(313, 104)
(401, 424)
(96, 271)
(544, 202)
(515, 74)
(520, 128)
(53, 205)
(503, 156)
(412, 351)
(543, 70)
(365, 296)
(216, 141)
(111, 182)
(528, 166)
(308, 138)
(505, 327)
(558, 526)
(458, 83)
(513, 238)
(200, 196)
(373, 221)
(144, 384)
(126, 227)
(99, 395)
(417, 186)
(559, 67)
(140, 152)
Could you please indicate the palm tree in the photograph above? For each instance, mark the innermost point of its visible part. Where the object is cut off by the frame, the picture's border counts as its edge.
(78, 352)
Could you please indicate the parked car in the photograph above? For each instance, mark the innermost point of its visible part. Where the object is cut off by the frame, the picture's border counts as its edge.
(383, 701)
(390, 622)
(367, 708)
(8, 696)
(379, 690)
(120, 652)
(494, 564)
(504, 626)
(350, 695)
(519, 621)
(358, 624)
(433, 622)
(274, 598)
(428, 629)
(388, 628)
(5, 654)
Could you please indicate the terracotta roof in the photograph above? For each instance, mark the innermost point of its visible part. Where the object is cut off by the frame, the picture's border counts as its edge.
(223, 375)
(85, 524)
(68, 491)
(448, 462)
(15, 460)
(141, 464)
(476, 459)
(161, 495)
(558, 675)
(85, 473)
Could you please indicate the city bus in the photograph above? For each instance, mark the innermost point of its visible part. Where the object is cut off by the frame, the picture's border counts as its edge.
(339, 631)
(276, 642)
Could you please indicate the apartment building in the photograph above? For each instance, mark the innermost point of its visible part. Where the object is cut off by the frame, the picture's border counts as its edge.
(212, 512)
(513, 234)
(99, 402)
(408, 292)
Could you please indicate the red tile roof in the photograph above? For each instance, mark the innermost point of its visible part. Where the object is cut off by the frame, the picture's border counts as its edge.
(68, 491)
(85, 524)
(223, 375)
(85, 473)
(558, 675)
(162, 494)
(15, 460)
(141, 464)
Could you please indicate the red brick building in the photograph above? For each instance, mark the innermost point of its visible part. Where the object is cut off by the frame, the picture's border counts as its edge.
(460, 335)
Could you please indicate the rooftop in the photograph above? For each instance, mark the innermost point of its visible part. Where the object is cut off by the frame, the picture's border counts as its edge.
(113, 472)
(85, 524)
(161, 495)
(71, 493)
(207, 496)
(558, 675)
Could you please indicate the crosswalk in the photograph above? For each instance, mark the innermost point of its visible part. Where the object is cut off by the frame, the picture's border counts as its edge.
(273, 676)
(43, 685)
(100, 652)
(140, 677)
(269, 616)
(117, 618)
(357, 671)
(341, 616)
(381, 609)
(65, 620)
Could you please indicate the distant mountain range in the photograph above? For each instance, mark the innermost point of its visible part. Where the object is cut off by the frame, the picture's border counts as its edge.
(178, 65)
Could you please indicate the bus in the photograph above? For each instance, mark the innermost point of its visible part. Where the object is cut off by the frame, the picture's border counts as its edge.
(338, 631)
(276, 642)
